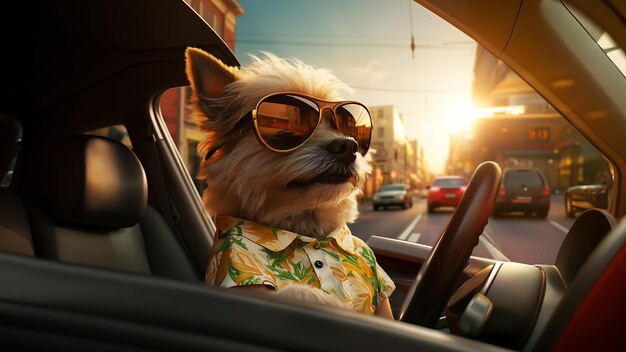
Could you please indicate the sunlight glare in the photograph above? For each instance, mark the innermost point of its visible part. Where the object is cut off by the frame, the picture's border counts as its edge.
(460, 115)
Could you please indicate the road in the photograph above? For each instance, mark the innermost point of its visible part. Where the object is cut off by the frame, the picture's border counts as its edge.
(514, 237)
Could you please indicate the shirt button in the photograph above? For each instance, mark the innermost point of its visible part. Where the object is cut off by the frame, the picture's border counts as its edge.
(319, 264)
(317, 245)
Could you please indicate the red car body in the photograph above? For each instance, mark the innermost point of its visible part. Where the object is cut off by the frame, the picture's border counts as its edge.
(446, 191)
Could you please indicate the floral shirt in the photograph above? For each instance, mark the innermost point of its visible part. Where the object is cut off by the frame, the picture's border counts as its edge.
(247, 253)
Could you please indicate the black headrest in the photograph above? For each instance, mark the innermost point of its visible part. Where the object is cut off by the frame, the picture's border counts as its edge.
(586, 232)
(96, 181)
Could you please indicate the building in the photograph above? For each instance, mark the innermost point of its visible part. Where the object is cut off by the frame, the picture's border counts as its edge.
(418, 174)
(221, 15)
(395, 159)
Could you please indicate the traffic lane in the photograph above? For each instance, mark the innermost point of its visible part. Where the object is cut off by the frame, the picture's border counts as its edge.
(432, 225)
(413, 224)
(385, 223)
(528, 239)
(513, 236)
(557, 211)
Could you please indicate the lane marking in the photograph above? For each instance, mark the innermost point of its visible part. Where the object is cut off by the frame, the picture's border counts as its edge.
(414, 237)
(493, 250)
(559, 226)
(489, 237)
(408, 229)
(490, 244)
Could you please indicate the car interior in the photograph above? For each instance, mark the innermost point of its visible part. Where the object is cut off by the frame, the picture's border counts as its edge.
(104, 246)
(78, 216)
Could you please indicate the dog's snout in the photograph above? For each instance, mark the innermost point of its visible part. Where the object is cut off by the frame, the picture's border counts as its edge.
(344, 149)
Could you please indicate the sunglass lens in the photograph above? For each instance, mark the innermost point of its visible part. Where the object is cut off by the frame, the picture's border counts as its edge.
(354, 120)
(286, 121)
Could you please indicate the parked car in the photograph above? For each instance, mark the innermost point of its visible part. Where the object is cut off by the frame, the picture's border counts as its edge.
(121, 267)
(583, 197)
(445, 191)
(523, 190)
(397, 194)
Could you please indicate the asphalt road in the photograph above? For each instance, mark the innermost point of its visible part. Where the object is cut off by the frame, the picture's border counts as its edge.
(515, 237)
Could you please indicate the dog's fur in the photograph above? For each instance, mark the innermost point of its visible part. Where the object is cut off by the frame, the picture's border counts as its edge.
(245, 179)
(291, 191)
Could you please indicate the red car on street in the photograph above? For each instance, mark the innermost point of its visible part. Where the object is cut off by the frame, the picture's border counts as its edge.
(446, 191)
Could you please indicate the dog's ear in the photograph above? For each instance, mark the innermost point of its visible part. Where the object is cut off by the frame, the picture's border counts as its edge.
(207, 75)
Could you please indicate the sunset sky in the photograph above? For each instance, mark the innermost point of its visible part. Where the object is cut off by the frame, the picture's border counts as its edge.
(366, 44)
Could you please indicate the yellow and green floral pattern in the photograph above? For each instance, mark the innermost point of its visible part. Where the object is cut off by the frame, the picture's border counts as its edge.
(247, 253)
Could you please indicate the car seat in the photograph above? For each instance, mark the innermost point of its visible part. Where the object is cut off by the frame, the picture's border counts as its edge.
(91, 209)
(587, 231)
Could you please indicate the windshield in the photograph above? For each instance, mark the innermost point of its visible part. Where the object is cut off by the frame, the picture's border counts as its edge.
(392, 188)
(519, 178)
(440, 104)
(449, 182)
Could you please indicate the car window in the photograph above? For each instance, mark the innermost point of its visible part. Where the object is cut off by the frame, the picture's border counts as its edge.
(392, 188)
(440, 103)
(519, 178)
(176, 112)
(449, 182)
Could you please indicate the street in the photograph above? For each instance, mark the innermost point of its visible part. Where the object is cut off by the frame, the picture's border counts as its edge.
(513, 237)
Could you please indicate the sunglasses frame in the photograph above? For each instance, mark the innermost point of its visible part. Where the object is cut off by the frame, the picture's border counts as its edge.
(321, 105)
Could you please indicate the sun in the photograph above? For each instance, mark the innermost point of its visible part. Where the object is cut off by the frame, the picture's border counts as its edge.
(460, 114)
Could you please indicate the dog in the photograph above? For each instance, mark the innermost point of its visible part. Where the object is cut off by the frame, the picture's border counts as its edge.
(302, 174)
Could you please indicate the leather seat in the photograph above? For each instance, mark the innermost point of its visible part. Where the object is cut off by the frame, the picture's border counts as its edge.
(587, 231)
(92, 210)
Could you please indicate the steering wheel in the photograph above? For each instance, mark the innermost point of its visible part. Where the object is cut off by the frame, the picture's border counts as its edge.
(438, 276)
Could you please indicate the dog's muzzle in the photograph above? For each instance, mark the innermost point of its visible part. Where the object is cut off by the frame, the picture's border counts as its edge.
(340, 170)
(343, 149)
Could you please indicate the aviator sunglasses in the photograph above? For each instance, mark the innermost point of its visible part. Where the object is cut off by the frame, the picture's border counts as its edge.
(283, 122)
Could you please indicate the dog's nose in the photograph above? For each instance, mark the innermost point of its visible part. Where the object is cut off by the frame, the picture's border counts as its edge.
(344, 149)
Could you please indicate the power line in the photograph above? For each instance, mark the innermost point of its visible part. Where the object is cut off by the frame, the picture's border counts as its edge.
(412, 90)
(443, 45)
(412, 37)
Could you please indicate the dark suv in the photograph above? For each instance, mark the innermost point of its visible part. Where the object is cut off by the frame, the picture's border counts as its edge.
(525, 190)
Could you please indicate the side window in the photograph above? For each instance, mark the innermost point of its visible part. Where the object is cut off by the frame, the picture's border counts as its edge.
(440, 109)
(174, 102)
(175, 109)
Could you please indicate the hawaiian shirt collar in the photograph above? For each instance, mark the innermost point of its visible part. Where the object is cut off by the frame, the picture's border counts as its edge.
(276, 239)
